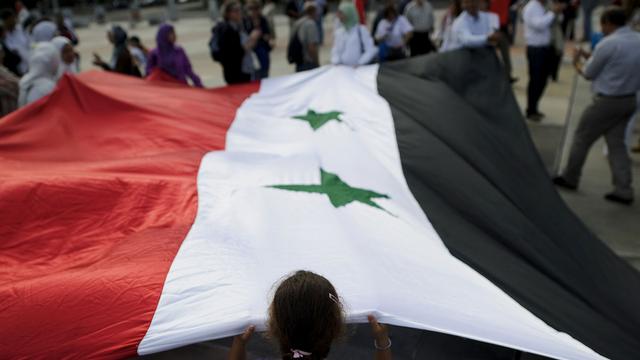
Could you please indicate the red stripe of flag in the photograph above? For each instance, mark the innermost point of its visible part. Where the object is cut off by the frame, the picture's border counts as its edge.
(97, 192)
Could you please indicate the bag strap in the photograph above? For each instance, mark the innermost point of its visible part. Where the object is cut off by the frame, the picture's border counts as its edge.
(360, 38)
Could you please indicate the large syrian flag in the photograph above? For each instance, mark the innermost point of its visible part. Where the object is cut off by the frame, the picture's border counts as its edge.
(137, 217)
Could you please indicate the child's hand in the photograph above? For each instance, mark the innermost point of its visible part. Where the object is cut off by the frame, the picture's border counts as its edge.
(238, 351)
(379, 331)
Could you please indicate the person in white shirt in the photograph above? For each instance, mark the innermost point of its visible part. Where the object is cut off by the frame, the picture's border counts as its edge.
(537, 33)
(43, 74)
(475, 28)
(393, 33)
(613, 68)
(352, 44)
(420, 16)
(16, 39)
(444, 36)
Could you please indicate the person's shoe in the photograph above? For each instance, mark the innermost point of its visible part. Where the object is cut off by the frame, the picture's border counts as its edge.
(618, 199)
(535, 116)
(563, 183)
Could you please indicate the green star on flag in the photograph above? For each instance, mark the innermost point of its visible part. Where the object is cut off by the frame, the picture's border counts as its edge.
(316, 120)
(339, 192)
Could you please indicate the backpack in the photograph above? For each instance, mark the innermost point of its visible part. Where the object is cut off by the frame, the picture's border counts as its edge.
(295, 52)
(214, 43)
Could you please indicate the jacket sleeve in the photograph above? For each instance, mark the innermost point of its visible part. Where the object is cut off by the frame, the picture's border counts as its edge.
(152, 62)
(370, 49)
(538, 18)
(189, 71)
(465, 37)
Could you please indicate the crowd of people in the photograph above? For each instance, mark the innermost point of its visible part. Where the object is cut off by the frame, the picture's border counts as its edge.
(38, 50)
(35, 52)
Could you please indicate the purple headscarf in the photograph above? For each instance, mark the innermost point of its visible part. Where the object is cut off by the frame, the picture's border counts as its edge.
(166, 50)
(171, 58)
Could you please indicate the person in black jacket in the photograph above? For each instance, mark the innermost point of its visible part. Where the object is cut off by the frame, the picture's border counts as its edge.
(121, 59)
(236, 46)
(11, 59)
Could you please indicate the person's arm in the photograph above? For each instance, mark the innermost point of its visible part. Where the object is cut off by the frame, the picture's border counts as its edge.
(266, 30)
(594, 65)
(188, 70)
(466, 38)
(338, 46)
(382, 31)
(538, 18)
(381, 340)
(252, 41)
(494, 21)
(370, 49)
(406, 29)
(313, 37)
(152, 62)
(313, 52)
(406, 10)
(97, 61)
(238, 348)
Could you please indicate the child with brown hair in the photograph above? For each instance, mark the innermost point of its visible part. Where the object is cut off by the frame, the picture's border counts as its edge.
(305, 317)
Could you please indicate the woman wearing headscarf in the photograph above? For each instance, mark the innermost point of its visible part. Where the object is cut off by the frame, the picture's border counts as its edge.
(43, 73)
(121, 59)
(69, 63)
(353, 44)
(171, 58)
(43, 31)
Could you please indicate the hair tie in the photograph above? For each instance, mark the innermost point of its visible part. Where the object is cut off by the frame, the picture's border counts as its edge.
(299, 354)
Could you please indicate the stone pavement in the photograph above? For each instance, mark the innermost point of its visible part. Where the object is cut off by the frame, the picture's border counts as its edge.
(617, 225)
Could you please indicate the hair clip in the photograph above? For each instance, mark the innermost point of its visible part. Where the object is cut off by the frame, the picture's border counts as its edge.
(334, 298)
(299, 354)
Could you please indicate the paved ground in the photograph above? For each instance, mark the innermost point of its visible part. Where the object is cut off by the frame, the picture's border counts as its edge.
(617, 225)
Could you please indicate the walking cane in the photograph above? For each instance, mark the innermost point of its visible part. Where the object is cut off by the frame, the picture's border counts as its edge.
(565, 132)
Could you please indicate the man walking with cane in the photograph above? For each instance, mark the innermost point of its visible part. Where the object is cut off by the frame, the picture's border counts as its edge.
(613, 68)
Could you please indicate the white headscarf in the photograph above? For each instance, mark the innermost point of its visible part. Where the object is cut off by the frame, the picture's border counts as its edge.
(42, 75)
(60, 42)
(44, 31)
